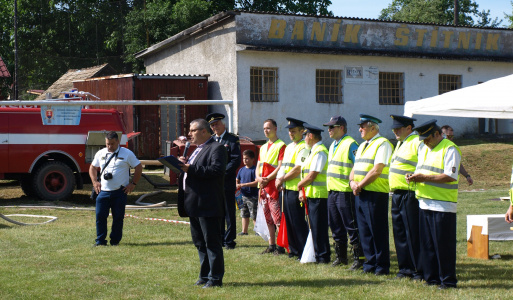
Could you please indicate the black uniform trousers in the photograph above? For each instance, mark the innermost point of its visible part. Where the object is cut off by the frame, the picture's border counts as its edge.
(405, 224)
(318, 216)
(297, 227)
(206, 236)
(372, 217)
(438, 247)
(230, 234)
(342, 218)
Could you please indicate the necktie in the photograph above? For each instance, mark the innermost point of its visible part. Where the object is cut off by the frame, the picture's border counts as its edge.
(365, 145)
(193, 155)
(218, 138)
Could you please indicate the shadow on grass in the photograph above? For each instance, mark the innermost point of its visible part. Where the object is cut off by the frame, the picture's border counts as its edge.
(475, 271)
(2, 226)
(150, 244)
(307, 283)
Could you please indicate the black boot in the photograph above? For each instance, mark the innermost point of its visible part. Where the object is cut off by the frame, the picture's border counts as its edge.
(358, 256)
(341, 253)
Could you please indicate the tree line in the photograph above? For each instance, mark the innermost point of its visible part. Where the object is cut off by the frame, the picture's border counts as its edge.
(55, 36)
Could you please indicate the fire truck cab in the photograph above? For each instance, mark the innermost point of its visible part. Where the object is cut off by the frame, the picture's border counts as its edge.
(49, 161)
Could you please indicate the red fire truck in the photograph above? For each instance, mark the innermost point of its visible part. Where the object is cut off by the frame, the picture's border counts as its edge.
(50, 160)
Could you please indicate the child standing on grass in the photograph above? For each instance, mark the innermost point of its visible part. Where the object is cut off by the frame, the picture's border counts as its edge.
(248, 186)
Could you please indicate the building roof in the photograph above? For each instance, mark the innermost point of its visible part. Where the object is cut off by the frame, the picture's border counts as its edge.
(3, 69)
(264, 31)
(65, 83)
(149, 76)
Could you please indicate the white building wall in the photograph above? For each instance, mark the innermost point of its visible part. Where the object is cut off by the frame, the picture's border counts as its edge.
(211, 53)
(296, 73)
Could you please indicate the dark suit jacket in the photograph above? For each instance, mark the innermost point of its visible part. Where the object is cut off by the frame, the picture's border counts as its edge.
(232, 144)
(205, 183)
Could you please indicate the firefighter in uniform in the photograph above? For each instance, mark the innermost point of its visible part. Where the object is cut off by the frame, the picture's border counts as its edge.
(232, 145)
(509, 213)
(436, 179)
(341, 200)
(405, 207)
(287, 179)
(313, 190)
(369, 180)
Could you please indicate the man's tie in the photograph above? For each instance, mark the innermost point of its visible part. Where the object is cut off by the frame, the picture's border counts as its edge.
(193, 155)
(218, 138)
(365, 145)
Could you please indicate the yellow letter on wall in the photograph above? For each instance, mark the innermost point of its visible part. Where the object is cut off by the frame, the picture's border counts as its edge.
(277, 30)
(351, 35)
(318, 31)
(402, 36)
(298, 32)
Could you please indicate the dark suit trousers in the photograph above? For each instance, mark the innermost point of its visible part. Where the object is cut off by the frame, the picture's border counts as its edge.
(231, 222)
(297, 227)
(372, 217)
(405, 224)
(342, 218)
(438, 247)
(206, 236)
(318, 216)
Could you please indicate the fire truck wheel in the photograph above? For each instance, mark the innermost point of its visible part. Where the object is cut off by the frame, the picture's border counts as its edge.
(54, 181)
(27, 188)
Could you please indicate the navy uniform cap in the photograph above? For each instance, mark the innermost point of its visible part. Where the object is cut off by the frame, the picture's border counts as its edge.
(293, 123)
(213, 117)
(426, 129)
(368, 118)
(336, 120)
(312, 129)
(402, 121)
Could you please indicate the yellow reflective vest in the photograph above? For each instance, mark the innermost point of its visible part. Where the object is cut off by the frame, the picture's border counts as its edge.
(364, 162)
(340, 166)
(432, 163)
(289, 162)
(404, 160)
(270, 156)
(511, 188)
(318, 187)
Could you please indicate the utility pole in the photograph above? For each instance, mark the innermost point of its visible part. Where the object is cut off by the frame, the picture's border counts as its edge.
(15, 83)
(456, 13)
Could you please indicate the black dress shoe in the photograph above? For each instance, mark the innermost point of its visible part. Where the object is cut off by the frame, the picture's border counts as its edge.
(200, 282)
(380, 273)
(211, 284)
(229, 247)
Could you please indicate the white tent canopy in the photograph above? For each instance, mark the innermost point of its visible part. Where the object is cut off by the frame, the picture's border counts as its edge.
(492, 99)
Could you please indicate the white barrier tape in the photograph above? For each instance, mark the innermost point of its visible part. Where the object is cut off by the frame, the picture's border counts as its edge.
(156, 219)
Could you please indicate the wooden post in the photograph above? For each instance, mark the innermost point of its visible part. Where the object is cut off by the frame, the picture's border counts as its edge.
(477, 245)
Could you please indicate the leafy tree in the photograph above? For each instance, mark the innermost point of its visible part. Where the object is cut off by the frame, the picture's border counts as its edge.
(314, 7)
(437, 11)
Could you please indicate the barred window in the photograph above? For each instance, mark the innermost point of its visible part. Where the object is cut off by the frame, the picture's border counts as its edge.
(391, 88)
(263, 84)
(328, 86)
(447, 83)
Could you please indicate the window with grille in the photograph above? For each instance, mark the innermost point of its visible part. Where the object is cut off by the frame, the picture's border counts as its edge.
(328, 86)
(391, 88)
(447, 83)
(263, 84)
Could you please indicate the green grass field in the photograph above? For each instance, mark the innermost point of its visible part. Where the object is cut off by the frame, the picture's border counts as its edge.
(156, 260)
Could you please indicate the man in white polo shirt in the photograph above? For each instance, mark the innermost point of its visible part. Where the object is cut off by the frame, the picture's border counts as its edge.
(114, 163)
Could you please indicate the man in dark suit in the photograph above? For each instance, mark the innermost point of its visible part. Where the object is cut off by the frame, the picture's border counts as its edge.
(201, 198)
(232, 144)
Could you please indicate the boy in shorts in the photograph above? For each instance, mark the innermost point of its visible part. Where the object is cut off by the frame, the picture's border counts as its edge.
(248, 186)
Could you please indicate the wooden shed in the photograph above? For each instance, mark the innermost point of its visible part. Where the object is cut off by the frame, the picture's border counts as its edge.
(156, 123)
